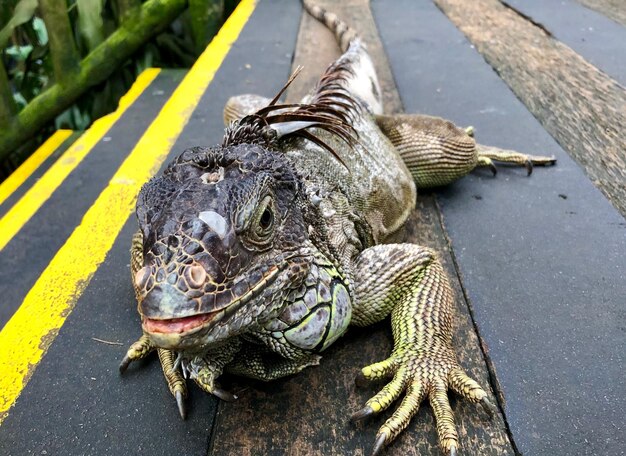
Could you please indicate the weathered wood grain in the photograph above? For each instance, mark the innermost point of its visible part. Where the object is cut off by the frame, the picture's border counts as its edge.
(581, 107)
(615, 9)
(307, 414)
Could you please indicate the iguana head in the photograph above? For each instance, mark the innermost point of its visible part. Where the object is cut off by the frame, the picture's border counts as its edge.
(226, 230)
(225, 239)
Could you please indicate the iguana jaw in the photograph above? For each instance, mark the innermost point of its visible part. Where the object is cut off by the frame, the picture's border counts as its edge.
(191, 330)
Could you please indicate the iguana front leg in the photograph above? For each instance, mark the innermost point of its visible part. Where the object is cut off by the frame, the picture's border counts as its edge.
(437, 152)
(408, 282)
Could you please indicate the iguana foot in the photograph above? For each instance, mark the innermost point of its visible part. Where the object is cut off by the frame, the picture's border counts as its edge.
(486, 162)
(437, 152)
(408, 281)
(205, 375)
(488, 153)
(140, 349)
(175, 381)
(420, 374)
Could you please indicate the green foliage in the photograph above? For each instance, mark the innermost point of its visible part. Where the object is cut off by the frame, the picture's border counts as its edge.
(90, 22)
(25, 60)
(29, 66)
(22, 13)
(25, 52)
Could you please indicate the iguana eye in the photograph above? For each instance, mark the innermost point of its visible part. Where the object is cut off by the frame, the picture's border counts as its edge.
(267, 219)
(262, 226)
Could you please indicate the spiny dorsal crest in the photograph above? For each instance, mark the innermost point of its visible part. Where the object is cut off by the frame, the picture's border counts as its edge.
(331, 109)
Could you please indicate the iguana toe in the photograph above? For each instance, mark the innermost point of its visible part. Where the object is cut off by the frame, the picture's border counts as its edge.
(224, 395)
(180, 401)
(137, 350)
(362, 414)
(488, 407)
(380, 443)
(125, 363)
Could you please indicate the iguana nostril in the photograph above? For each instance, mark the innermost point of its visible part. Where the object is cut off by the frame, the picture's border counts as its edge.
(196, 275)
(141, 276)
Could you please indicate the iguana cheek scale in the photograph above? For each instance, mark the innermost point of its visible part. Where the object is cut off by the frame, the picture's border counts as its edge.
(254, 256)
(319, 313)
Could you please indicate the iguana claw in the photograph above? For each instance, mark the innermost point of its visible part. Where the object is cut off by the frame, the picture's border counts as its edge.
(488, 407)
(529, 167)
(181, 404)
(125, 363)
(224, 395)
(362, 414)
(137, 350)
(361, 380)
(379, 444)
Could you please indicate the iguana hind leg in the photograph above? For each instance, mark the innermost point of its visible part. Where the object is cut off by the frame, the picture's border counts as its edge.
(437, 152)
(408, 282)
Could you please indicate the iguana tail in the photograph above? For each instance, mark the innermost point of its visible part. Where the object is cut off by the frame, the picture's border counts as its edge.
(354, 70)
(342, 31)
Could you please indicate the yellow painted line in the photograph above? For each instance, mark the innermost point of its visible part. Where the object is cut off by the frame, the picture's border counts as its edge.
(33, 199)
(26, 169)
(28, 334)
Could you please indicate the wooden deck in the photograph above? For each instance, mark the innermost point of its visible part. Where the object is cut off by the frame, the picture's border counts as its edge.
(537, 264)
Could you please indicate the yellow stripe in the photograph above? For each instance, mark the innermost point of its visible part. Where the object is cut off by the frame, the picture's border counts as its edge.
(19, 176)
(39, 193)
(27, 336)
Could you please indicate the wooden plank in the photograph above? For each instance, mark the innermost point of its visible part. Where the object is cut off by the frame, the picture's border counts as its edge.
(308, 413)
(542, 258)
(593, 36)
(581, 107)
(611, 8)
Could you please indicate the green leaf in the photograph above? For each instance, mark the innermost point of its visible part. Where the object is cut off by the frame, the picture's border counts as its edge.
(19, 53)
(90, 21)
(22, 13)
(19, 100)
(40, 29)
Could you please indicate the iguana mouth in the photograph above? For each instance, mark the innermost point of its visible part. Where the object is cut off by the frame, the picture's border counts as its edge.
(178, 325)
(188, 325)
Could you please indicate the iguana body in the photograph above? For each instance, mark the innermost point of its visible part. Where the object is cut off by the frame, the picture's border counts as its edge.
(255, 256)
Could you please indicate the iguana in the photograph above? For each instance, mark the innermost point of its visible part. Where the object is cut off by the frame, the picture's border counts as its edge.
(254, 256)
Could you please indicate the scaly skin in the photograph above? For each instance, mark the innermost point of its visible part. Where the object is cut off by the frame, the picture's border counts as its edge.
(253, 257)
